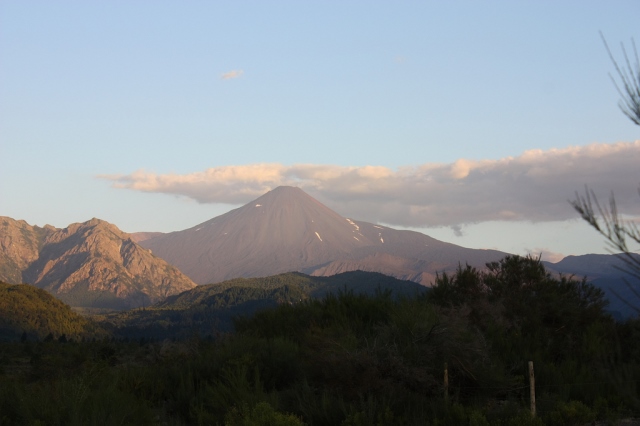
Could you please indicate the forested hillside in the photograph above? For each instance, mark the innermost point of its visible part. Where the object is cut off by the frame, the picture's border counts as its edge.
(355, 359)
(31, 313)
(209, 310)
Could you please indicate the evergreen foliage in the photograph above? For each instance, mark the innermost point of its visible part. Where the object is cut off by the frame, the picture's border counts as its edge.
(351, 359)
(27, 312)
(209, 310)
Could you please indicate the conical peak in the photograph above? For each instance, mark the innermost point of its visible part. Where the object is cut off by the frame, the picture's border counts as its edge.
(284, 195)
(286, 188)
(291, 191)
(282, 206)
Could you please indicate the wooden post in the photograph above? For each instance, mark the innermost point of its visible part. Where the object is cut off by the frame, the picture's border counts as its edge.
(446, 383)
(532, 389)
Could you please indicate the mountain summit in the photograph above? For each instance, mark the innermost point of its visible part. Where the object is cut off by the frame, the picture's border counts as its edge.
(90, 264)
(287, 230)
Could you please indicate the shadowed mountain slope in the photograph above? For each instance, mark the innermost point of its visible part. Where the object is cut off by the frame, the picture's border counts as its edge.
(607, 272)
(210, 309)
(358, 282)
(288, 230)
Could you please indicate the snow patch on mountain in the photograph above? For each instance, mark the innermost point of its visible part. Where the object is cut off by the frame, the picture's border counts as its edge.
(353, 223)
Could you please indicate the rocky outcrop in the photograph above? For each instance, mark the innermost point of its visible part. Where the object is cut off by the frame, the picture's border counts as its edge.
(20, 245)
(90, 264)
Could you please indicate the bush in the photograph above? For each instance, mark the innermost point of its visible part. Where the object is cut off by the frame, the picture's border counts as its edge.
(262, 414)
(571, 413)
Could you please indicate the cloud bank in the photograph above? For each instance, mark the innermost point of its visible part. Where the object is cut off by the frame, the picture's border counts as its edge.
(534, 186)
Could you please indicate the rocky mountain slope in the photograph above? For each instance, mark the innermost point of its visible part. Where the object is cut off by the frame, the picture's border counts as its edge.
(20, 245)
(90, 264)
(288, 230)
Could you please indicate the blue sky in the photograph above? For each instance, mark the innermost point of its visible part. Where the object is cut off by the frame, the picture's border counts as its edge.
(473, 122)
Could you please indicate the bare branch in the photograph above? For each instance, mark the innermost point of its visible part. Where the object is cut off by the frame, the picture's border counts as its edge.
(616, 231)
(630, 82)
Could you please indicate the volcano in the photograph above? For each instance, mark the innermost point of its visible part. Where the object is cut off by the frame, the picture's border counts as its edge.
(288, 230)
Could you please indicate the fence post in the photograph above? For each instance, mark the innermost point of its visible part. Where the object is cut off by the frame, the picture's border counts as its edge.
(446, 383)
(532, 389)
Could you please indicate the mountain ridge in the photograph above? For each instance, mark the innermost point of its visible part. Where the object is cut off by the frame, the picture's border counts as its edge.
(89, 264)
(287, 230)
(94, 264)
(211, 309)
(609, 273)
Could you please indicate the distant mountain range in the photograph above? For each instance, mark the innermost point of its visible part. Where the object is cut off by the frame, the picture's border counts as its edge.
(94, 264)
(608, 272)
(90, 264)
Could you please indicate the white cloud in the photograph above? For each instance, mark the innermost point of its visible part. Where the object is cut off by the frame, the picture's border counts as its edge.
(231, 74)
(534, 186)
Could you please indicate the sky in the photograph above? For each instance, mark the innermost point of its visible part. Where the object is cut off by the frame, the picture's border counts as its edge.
(473, 122)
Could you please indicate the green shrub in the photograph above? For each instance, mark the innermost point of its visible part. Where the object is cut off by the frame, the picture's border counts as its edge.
(262, 414)
(523, 418)
(571, 413)
(371, 412)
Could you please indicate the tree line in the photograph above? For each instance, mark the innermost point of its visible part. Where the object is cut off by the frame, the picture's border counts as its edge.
(354, 359)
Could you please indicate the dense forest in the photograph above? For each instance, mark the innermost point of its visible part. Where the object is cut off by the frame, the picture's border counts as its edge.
(209, 310)
(350, 358)
(29, 312)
